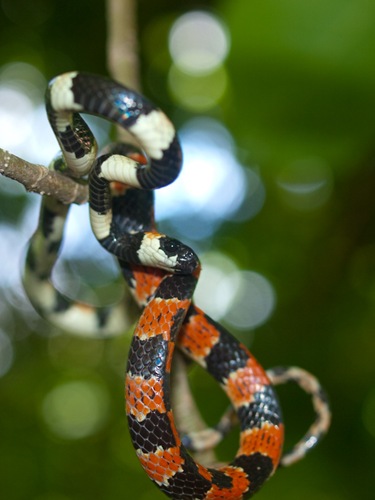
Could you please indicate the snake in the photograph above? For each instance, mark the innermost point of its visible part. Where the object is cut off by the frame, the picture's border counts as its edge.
(161, 273)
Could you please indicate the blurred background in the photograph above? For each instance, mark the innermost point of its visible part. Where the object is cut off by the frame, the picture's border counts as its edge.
(274, 101)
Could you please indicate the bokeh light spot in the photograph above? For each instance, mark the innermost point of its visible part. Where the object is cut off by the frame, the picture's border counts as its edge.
(212, 185)
(11, 251)
(214, 298)
(253, 303)
(83, 263)
(244, 299)
(198, 42)
(197, 93)
(25, 78)
(254, 200)
(306, 185)
(16, 116)
(75, 410)
(24, 127)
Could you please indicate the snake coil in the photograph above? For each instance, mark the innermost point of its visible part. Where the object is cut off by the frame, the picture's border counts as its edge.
(161, 272)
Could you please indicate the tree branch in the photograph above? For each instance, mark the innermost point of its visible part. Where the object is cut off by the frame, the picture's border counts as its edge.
(122, 42)
(122, 54)
(39, 179)
(123, 65)
(122, 50)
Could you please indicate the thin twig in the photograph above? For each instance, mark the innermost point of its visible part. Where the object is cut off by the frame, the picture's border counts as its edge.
(39, 179)
(122, 42)
(123, 64)
(122, 49)
(185, 409)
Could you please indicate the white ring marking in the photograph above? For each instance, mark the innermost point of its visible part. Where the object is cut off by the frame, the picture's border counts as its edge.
(62, 97)
(155, 133)
(121, 169)
(101, 223)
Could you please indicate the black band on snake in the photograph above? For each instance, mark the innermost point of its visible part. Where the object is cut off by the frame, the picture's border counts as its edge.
(161, 273)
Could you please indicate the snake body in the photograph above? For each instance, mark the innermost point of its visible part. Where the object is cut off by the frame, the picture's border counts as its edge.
(161, 273)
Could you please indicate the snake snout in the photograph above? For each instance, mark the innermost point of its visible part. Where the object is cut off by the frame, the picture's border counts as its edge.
(185, 259)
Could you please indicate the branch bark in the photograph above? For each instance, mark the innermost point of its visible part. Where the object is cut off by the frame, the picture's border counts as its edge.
(39, 179)
(122, 42)
(122, 50)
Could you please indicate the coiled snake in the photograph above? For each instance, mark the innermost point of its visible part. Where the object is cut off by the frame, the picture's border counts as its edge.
(161, 273)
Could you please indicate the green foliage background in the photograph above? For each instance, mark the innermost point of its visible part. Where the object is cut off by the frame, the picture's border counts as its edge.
(301, 85)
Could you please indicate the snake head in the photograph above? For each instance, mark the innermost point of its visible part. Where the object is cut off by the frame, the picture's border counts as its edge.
(185, 260)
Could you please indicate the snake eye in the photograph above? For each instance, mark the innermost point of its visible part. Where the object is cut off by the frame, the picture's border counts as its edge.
(170, 246)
